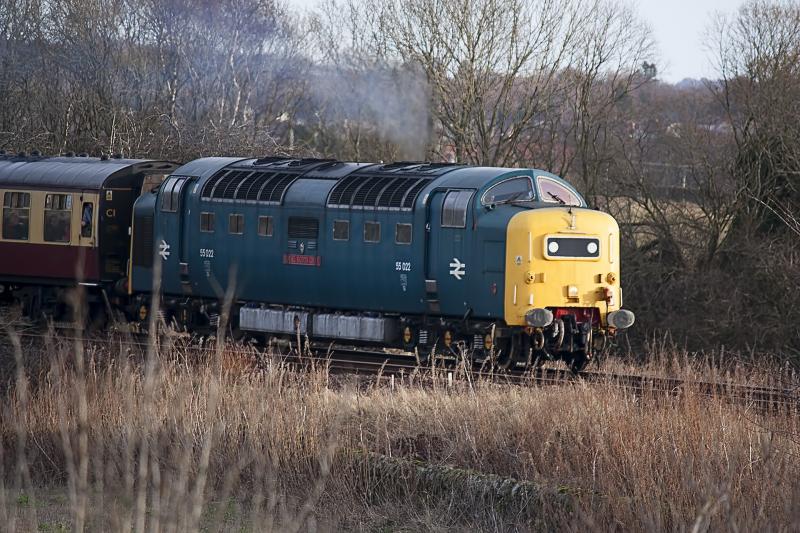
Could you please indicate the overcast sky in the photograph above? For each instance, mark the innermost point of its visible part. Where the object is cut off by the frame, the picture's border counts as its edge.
(679, 27)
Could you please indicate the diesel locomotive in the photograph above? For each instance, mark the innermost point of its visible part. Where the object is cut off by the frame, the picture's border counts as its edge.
(435, 259)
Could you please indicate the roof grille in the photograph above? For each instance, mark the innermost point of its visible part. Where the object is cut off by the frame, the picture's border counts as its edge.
(261, 186)
(260, 179)
(227, 186)
(380, 191)
(275, 188)
(211, 183)
(413, 192)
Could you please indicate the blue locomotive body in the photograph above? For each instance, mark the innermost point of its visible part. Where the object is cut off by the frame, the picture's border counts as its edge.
(406, 254)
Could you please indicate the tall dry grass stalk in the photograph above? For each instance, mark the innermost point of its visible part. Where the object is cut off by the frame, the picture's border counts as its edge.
(195, 437)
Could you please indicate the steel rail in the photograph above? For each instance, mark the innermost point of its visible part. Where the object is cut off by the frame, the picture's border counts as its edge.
(387, 365)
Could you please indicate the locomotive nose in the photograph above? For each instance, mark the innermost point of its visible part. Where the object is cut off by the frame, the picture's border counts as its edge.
(563, 261)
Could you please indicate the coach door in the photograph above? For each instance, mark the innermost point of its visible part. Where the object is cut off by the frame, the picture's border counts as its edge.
(115, 212)
(446, 264)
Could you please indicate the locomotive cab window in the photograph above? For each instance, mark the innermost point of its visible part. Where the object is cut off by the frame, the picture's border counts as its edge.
(341, 230)
(402, 233)
(372, 232)
(57, 216)
(454, 209)
(170, 194)
(556, 193)
(236, 224)
(265, 226)
(207, 222)
(509, 190)
(16, 215)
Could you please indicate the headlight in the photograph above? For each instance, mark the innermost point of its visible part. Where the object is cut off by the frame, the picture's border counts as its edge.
(539, 318)
(622, 319)
(569, 247)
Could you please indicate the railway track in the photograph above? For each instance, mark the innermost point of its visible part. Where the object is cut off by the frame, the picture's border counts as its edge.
(380, 366)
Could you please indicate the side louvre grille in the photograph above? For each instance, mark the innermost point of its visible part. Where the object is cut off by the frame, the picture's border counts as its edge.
(303, 228)
(143, 242)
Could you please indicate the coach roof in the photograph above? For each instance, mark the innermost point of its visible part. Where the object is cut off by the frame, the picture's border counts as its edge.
(85, 173)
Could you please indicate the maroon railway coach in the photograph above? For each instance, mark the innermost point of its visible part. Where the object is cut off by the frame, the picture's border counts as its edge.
(66, 221)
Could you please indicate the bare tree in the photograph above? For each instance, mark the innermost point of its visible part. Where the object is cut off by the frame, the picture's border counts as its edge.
(604, 71)
(758, 54)
(490, 64)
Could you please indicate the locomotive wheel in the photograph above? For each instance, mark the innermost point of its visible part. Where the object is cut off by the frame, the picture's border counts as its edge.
(538, 358)
(577, 361)
(409, 339)
(423, 354)
(506, 352)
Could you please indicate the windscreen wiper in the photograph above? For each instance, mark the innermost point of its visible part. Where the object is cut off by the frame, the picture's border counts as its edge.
(557, 198)
(513, 198)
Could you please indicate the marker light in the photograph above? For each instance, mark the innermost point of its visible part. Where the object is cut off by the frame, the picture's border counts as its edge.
(572, 291)
(591, 248)
(552, 247)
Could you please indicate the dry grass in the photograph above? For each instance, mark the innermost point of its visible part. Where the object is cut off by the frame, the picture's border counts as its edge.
(183, 441)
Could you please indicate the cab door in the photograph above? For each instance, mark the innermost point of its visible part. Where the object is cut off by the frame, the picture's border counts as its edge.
(447, 250)
(169, 233)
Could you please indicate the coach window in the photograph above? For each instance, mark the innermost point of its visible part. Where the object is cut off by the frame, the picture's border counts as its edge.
(207, 222)
(341, 230)
(372, 232)
(87, 215)
(265, 226)
(510, 189)
(454, 209)
(556, 193)
(170, 194)
(57, 215)
(402, 233)
(236, 224)
(16, 215)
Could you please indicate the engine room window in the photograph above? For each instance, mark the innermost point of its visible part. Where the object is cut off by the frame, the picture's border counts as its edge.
(207, 222)
(16, 215)
(454, 209)
(265, 226)
(236, 224)
(402, 233)
(57, 217)
(170, 194)
(556, 193)
(341, 230)
(512, 189)
(372, 232)
(303, 228)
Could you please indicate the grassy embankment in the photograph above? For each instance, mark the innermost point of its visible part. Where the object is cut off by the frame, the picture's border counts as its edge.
(185, 440)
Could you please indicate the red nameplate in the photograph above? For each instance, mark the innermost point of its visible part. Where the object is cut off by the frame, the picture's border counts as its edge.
(307, 260)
